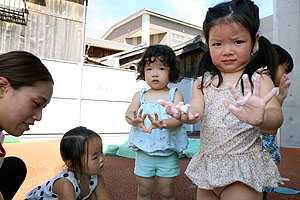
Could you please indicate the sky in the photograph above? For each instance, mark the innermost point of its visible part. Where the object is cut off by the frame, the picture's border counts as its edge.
(103, 14)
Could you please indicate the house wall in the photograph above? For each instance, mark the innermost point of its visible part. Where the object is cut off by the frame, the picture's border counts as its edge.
(54, 30)
(121, 33)
(124, 31)
(172, 27)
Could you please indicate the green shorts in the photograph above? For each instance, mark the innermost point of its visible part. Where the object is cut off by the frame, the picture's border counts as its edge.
(162, 166)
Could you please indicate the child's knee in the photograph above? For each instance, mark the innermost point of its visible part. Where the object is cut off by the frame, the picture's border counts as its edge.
(166, 187)
(167, 192)
(145, 186)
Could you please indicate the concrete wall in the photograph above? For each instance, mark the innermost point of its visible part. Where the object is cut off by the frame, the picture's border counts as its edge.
(286, 33)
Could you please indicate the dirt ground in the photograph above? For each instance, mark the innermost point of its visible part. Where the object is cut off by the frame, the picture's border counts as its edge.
(43, 162)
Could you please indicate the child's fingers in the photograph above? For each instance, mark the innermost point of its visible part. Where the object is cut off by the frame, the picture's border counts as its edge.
(145, 129)
(285, 80)
(256, 90)
(134, 113)
(156, 116)
(150, 118)
(198, 82)
(150, 130)
(140, 112)
(247, 85)
(244, 100)
(270, 95)
(207, 83)
(184, 116)
(192, 117)
(145, 115)
(233, 91)
(231, 107)
(162, 102)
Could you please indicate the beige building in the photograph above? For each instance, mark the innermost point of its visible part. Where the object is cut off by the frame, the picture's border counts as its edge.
(149, 27)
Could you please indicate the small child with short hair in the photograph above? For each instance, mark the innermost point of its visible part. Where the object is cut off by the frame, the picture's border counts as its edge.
(157, 138)
(81, 150)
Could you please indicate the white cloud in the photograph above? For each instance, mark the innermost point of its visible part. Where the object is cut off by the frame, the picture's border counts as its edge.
(100, 19)
(97, 27)
(192, 11)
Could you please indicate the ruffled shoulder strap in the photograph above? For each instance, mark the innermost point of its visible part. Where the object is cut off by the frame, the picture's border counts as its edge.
(142, 95)
(172, 94)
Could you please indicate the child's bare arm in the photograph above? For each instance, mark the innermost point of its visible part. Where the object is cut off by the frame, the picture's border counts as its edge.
(101, 190)
(273, 116)
(64, 189)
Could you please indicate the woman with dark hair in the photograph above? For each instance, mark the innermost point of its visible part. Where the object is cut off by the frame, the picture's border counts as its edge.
(26, 87)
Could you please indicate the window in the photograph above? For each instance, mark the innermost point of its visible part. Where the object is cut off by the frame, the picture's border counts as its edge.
(177, 39)
(13, 11)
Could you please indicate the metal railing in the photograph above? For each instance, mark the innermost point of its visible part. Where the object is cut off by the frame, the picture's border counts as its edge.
(14, 11)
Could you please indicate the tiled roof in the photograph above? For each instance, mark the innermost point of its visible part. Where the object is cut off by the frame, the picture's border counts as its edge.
(107, 44)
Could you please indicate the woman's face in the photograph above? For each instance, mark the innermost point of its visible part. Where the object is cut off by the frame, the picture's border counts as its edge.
(20, 108)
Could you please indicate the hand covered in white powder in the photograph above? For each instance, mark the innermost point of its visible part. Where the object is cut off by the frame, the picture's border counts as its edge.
(251, 107)
(180, 111)
(138, 120)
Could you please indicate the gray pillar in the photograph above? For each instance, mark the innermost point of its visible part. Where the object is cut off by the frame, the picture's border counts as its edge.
(286, 26)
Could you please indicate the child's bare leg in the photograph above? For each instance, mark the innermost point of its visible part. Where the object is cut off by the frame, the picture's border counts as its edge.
(166, 188)
(145, 187)
(206, 194)
(240, 191)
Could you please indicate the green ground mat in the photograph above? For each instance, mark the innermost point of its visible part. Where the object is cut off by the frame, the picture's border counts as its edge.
(11, 140)
(123, 150)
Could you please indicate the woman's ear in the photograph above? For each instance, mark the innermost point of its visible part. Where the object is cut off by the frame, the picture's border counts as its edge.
(255, 47)
(4, 85)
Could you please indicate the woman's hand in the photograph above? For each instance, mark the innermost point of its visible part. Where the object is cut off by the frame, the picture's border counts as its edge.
(251, 107)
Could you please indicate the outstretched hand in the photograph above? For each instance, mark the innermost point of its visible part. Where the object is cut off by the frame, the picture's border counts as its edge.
(180, 112)
(155, 123)
(251, 107)
(284, 85)
(138, 120)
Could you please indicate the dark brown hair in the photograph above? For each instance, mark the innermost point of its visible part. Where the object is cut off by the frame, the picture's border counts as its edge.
(246, 14)
(74, 144)
(22, 68)
(164, 54)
